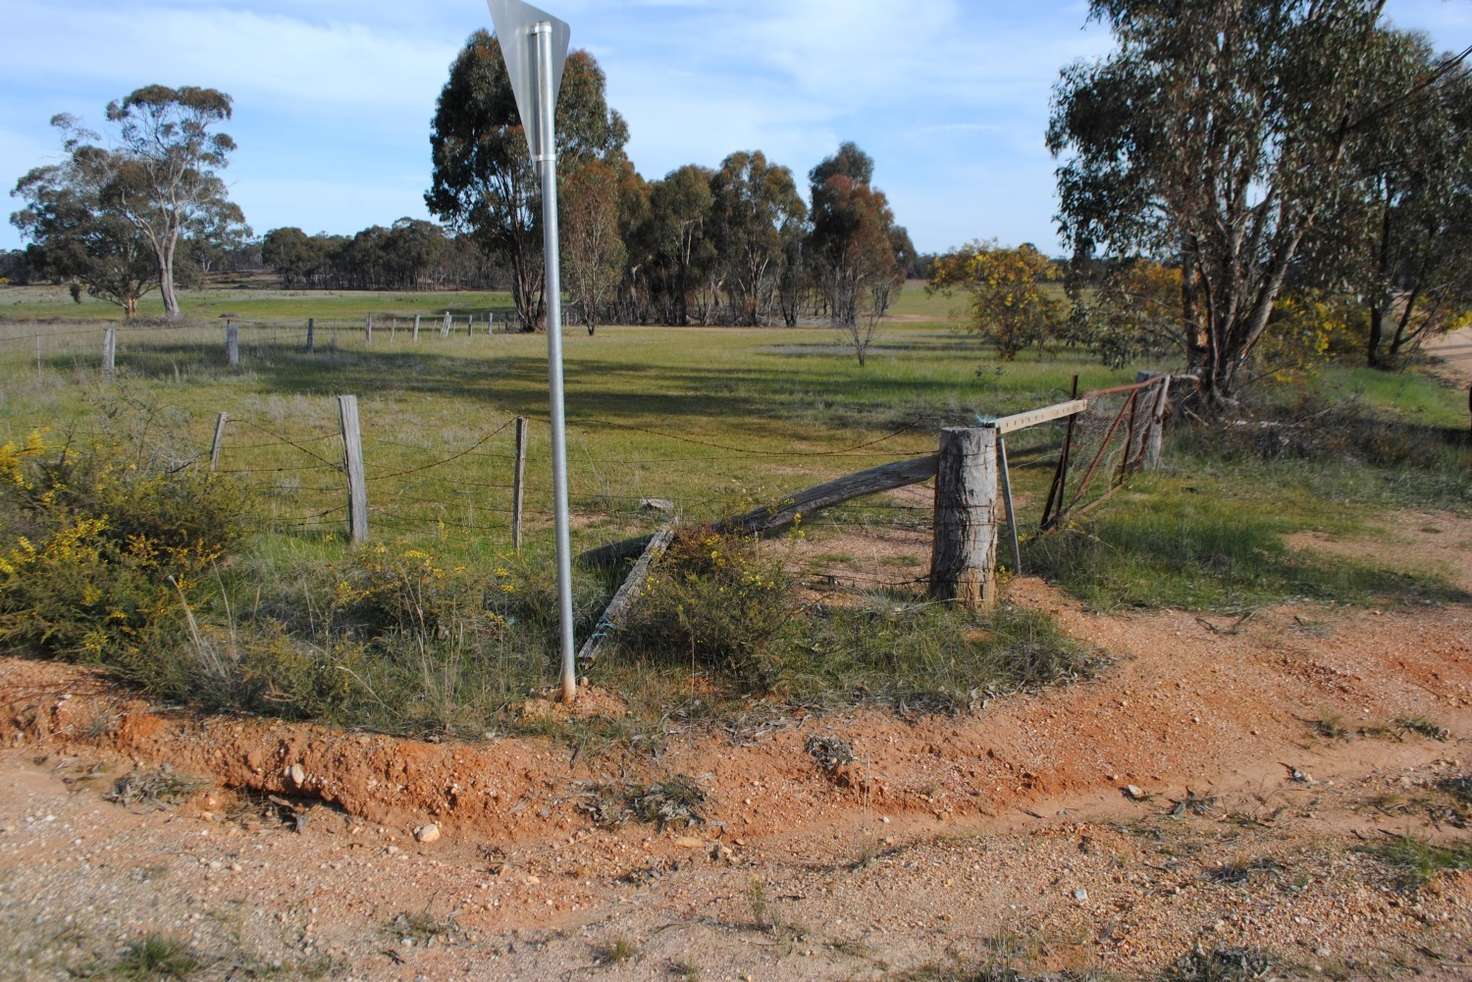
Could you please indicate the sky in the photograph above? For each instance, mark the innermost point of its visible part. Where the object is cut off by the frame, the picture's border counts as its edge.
(333, 98)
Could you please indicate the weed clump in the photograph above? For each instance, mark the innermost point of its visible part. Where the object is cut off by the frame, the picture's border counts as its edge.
(1416, 862)
(156, 956)
(721, 608)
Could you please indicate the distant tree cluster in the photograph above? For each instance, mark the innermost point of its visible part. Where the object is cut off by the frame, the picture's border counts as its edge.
(739, 244)
(412, 254)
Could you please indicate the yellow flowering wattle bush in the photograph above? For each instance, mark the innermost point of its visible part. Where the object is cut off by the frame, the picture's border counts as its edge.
(409, 591)
(714, 599)
(98, 557)
(1308, 329)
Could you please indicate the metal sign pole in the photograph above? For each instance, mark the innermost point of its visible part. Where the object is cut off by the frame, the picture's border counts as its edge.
(534, 46)
(547, 159)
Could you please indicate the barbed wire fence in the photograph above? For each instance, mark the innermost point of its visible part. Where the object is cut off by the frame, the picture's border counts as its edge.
(488, 488)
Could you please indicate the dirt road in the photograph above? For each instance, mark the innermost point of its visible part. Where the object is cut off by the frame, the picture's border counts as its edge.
(1456, 350)
(1226, 790)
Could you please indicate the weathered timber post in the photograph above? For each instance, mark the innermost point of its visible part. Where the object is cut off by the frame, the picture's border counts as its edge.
(470, 325)
(232, 345)
(109, 350)
(1153, 438)
(518, 483)
(416, 328)
(445, 327)
(38, 355)
(218, 444)
(352, 440)
(963, 557)
(311, 335)
(490, 323)
(368, 330)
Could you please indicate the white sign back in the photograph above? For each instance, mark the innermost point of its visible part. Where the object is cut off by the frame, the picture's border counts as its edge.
(515, 24)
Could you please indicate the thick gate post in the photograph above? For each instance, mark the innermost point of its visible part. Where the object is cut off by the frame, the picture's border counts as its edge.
(963, 558)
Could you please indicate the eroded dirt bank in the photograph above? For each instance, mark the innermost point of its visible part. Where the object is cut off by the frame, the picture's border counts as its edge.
(1000, 835)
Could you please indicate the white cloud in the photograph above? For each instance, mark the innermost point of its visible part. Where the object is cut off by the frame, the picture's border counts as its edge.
(288, 61)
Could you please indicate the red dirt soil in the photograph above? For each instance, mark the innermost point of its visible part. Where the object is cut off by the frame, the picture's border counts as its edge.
(1190, 702)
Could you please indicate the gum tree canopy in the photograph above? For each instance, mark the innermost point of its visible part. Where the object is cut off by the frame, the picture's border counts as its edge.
(1214, 135)
(159, 179)
(485, 184)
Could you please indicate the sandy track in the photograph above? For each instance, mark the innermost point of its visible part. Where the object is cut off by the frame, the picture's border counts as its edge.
(1456, 350)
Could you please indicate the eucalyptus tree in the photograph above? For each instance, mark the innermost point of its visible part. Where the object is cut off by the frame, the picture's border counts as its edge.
(484, 183)
(77, 233)
(593, 252)
(1215, 132)
(681, 233)
(160, 176)
(755, 207)
(855, 244)
(168, 182)
(1401, 231)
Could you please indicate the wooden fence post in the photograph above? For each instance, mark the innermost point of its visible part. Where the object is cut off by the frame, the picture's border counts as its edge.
(445, 327)
(311, 335)
(470, 325)
(109, 350)
(1157, 424)
(38, 354)
(352, 440)
(963, 558)
(218, 444)
(232, 345)
(518, 483)
(490, 323)
(1153, 439)
(416, 328)
(368, 329)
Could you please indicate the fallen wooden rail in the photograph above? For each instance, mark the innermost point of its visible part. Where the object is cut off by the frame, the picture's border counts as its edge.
(619, 606)
(768, 520)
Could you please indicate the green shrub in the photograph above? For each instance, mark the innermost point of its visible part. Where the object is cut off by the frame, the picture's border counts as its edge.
(715, 601)
(932, 656)
(101, 560)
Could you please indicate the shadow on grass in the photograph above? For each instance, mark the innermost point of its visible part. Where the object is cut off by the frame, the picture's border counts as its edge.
(742, 394)
(1205, 554)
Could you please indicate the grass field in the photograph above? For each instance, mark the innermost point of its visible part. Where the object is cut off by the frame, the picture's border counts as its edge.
(716, 420)
(712, 418)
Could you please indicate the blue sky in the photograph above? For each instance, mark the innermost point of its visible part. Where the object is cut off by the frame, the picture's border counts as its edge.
(333, 98)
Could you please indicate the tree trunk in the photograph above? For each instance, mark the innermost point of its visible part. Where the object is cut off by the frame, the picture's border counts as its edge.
(166, 278)
(1377, 336)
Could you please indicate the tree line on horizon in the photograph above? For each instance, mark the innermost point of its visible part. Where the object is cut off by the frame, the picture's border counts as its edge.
(1238, 185)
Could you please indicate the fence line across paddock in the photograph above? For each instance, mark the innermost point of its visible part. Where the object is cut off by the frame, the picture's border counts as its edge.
(347, 470)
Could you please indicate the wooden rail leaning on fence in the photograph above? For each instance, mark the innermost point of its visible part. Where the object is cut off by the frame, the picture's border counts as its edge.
(970, 475)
